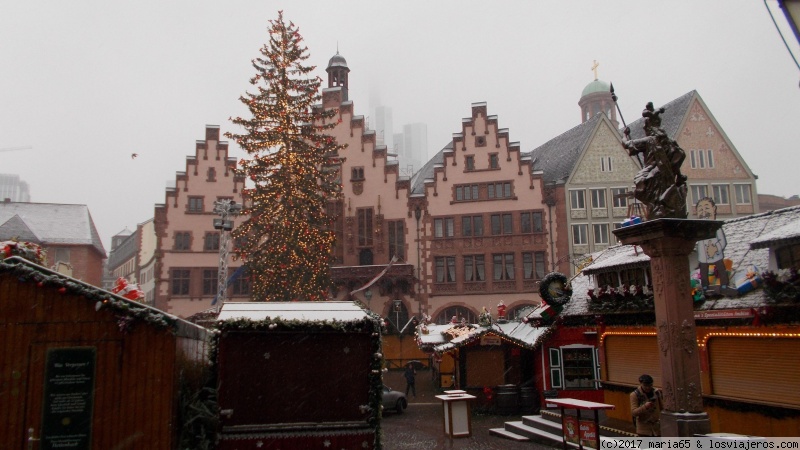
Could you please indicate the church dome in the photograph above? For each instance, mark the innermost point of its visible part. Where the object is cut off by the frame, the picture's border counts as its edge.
(596, 86)
(337, 61)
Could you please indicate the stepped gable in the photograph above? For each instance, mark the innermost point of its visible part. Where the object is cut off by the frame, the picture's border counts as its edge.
(557, 157)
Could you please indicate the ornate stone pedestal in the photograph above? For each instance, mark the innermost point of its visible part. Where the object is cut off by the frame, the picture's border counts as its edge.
(668, 243)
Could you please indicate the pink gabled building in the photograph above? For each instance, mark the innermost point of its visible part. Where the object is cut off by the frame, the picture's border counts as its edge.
(187, 245)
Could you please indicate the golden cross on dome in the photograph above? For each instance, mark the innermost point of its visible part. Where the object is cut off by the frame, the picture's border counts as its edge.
(594, 68)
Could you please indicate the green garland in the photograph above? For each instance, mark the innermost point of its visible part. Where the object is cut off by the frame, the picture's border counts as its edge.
(125, 311)
(555, 289)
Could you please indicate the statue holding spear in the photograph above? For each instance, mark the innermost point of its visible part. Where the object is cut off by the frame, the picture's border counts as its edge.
(659, 185)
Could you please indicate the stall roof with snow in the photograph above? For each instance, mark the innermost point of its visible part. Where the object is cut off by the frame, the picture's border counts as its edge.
(443, 338)
(293, 311)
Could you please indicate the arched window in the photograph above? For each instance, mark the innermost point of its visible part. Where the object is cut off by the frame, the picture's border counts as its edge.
(519, 311)
(459, 312)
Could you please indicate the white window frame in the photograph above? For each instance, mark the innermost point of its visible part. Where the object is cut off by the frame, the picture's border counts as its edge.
(621, 202)
(603, 233)
(606, 164)
(584, 234)
(710, 158)
(719, 189)
(737, 189)
(694, 187)
(577, 196)
(598, 197)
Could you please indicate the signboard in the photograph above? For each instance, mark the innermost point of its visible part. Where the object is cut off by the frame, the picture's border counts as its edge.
(725, 314)
(491, 339)
(68, 398)
(570, 428)
(588, 433)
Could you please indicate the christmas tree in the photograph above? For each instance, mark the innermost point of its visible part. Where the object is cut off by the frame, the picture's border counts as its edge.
(287, 240)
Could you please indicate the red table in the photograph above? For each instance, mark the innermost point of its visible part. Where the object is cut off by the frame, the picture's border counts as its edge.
(581, 436)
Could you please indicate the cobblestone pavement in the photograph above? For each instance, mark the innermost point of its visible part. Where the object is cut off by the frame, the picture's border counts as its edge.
(420, 427)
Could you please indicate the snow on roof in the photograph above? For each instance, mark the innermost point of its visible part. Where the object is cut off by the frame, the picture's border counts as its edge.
(53, 223)
(779, 236)
(301, 311)
(443, 338)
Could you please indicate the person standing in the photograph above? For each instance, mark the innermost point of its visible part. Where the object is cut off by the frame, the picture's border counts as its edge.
(646, 406)
(410, 375)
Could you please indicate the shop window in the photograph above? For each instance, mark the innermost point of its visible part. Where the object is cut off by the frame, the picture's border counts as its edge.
(788, 257)
(573, 367)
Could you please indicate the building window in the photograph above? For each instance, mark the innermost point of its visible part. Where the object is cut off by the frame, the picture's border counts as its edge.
(633, 277)
(211, 175)
(620, 197)
(467, 192)
(605, 164)
(211, 241)
(469, 162)
(788, 257)
(720, 192)
(457, 313)
(533, 266)
(607, 279)
(365, 228)
(472, 226)
(498, 190)
(474, 269)
(742, 194)
(183, 240)
(444, 227)
(445, 269)
(61, 254)
(357, 174)
(698, 192)
(503, 266)
(598, 198)
(210, 281)
(580, 367)
(701, 159)
(179, 280)
(397, 242)
(531, 222)
(577, 200)
(600, 233)
(494, 161)
(195, 205)
(580, 234)
(242, 285)
(502, 224)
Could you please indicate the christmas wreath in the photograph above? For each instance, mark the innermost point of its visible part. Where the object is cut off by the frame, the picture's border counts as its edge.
(555, 289)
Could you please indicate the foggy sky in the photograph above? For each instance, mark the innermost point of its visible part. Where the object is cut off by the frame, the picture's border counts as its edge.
(87, 83)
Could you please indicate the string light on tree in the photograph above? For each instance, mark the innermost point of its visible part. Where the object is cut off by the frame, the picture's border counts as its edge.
(287, 241)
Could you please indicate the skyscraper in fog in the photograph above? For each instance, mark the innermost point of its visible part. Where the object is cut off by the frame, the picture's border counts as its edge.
(415, 145)
(14, 189)
(383, 127)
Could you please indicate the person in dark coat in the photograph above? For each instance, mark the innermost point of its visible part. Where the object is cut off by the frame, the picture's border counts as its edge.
(410, 373)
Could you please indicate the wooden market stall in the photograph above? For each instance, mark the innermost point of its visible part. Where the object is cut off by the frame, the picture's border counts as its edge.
(81, 367)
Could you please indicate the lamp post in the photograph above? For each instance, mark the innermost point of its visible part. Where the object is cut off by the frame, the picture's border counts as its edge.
(418, 216)
(225, 209)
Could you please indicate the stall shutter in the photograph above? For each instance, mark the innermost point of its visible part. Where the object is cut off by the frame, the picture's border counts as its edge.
(628, 357)
(762, 369)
